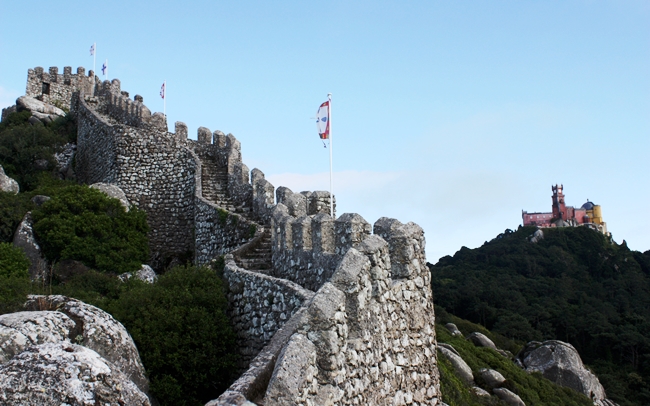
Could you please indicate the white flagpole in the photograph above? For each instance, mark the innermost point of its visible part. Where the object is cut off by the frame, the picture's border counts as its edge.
(94, 56)
(329, 97)
(165, 98)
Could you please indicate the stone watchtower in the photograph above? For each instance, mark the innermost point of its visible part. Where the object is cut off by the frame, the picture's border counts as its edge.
(559, 207)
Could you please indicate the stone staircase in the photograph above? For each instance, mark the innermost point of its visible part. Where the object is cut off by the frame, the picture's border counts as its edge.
(258, 257)
(214, 181)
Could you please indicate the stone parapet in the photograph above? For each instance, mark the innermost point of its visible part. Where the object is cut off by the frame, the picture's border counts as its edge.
(369, 338)
(259, 305)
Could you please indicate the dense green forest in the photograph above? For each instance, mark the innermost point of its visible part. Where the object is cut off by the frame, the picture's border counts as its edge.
(179, 323)
(575, 285)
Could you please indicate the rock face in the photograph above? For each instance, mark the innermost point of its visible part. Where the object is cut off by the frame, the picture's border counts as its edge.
(560, 362)
(23, 329)
(65, 374)
(24, 238)
(112, 191)
(99, 331)
(7, 184)
(43, 111)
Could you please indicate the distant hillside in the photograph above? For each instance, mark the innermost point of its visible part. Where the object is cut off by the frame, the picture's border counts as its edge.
(574, 285)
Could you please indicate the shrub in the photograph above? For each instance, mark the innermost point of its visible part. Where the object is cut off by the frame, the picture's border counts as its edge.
(14, 278)
(12, 210)
(84, 224)
(183, 335)
(22, 145)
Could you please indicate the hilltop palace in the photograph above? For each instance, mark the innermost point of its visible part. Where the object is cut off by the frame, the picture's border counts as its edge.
(588, 215)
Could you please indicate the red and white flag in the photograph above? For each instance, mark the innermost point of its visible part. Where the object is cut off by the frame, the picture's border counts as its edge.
(162, 90)
(323, 120)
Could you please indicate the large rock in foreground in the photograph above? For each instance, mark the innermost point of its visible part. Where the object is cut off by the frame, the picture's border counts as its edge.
(560, 362)
(24, 329)
(99, 331)
(65, 374)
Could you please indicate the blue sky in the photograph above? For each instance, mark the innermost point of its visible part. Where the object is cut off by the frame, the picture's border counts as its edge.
(454, 115)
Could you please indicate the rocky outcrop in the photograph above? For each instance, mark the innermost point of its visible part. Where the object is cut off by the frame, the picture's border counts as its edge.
(492, 378)
(560, 362)
(43, 111)
(65, 374)
(24, 238)
(463, 370)
(7, 184)
(145, 274)
(64, 160)
(453, 330)
(7, 111)
(97, 330)
(481, 340)
(113, 191)
(510, 398)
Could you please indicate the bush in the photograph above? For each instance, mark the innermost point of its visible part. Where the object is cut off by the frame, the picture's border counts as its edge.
(84, 224)
(12, 210)
(181, 330)
(22, 145)
(14, 278)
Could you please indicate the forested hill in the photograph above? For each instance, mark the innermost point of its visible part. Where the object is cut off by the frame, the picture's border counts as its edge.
(574, 285)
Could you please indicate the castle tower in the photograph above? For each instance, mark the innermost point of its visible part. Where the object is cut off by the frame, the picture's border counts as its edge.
(559, 207)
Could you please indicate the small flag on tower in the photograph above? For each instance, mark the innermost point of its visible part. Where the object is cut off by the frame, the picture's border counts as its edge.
(92, 50)
(323, 120)
(105, 67)
(162, 90)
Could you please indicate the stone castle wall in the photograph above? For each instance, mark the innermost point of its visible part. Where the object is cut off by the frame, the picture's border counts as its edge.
(343, 317)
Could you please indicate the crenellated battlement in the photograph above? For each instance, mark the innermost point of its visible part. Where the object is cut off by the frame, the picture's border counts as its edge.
(58, 89)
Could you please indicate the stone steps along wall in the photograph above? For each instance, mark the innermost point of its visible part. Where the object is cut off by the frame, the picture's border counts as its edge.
(370, 336)
(259, 305)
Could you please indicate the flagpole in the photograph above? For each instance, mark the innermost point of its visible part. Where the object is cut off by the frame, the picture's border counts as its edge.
(94, 56)
(329, 97)
(165, 99)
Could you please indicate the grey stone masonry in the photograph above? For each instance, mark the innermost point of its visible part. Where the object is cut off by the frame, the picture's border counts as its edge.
(259, 306)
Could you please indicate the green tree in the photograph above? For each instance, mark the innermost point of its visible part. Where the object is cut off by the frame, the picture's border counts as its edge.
(14, 278)
(27, 150)
(84, 224)
(183, 335)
